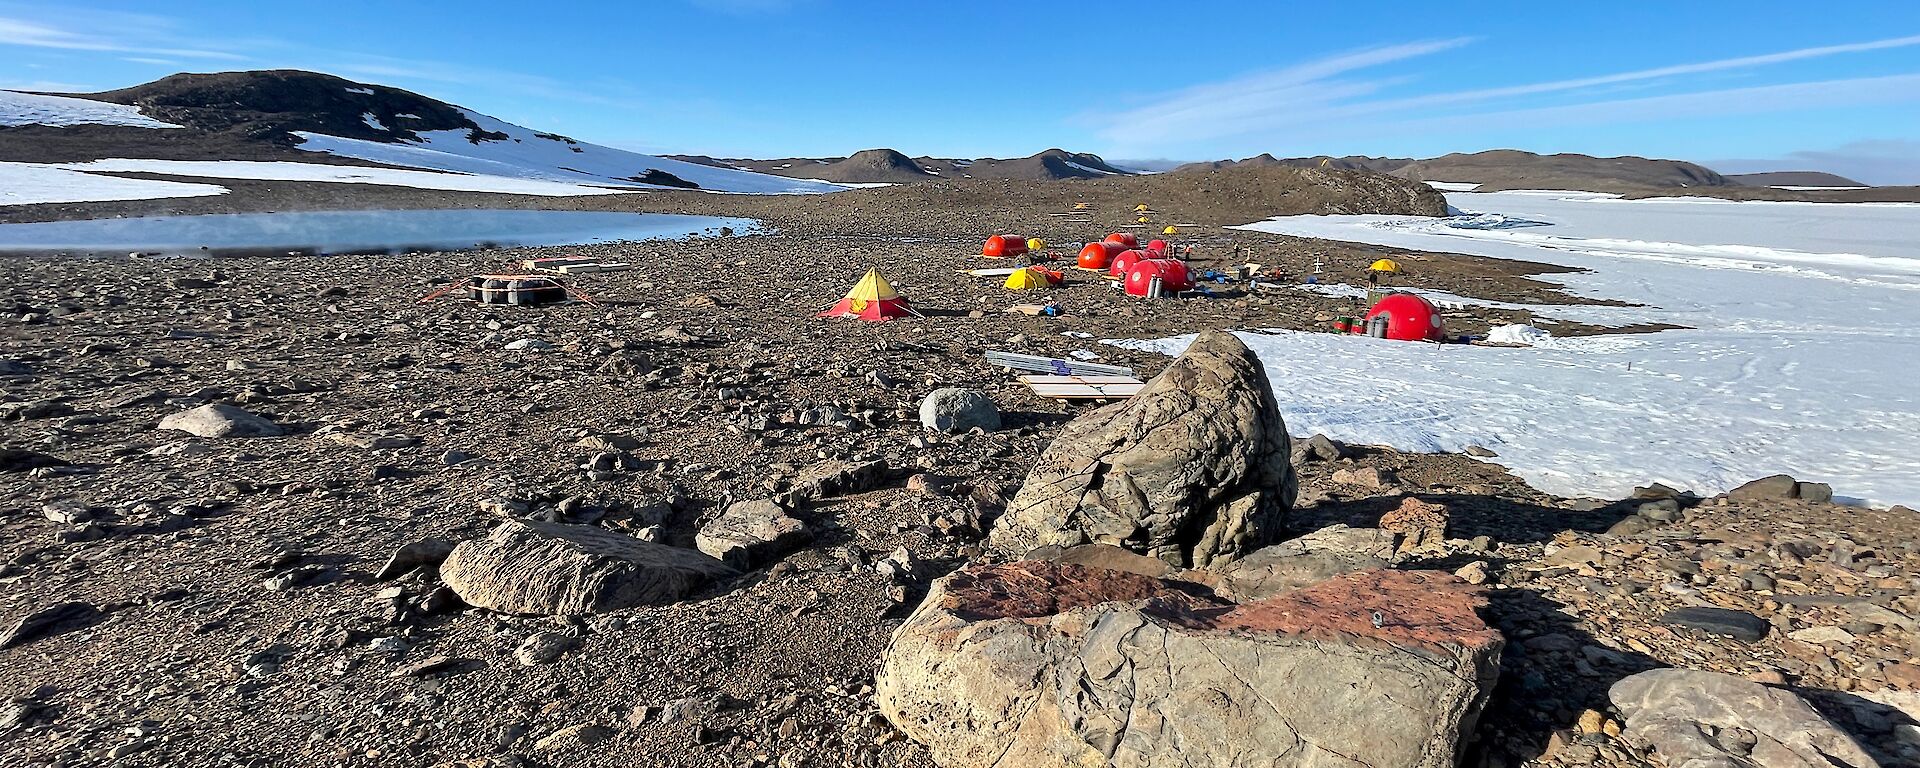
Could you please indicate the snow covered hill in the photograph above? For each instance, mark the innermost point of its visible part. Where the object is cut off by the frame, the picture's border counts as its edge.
(274, 115)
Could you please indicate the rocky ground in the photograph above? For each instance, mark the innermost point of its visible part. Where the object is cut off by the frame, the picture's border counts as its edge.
(188, 600)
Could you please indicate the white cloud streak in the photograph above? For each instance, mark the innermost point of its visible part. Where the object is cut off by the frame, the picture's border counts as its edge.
(126, 33)
(1308, 95)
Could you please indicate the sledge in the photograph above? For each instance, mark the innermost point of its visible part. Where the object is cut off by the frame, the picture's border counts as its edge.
(1084, 387)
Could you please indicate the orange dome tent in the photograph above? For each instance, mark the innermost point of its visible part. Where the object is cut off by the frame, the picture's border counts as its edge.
(1403, 317)
(873, 300)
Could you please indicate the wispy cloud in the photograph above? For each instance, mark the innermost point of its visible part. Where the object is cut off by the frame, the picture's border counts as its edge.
(1309, 95)
(1248, 103)
(106, 32)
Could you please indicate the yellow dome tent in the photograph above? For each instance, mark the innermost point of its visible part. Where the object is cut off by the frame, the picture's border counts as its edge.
(1170, 230)
(1036, 245)
(1141, 220)
(1028, 280)
(872, 299)
(1385, 265)
(1141, 208)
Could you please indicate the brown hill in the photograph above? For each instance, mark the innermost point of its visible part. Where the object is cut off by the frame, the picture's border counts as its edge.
(1793, 179)
(887, 165)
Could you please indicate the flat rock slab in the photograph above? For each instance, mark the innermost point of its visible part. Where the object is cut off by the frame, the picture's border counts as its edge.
(1687, 716)
(1041, 665)
(557, 569)
(47, 621)
(221, 420)
(750, 533)
(1195, 470)
(1739, 625)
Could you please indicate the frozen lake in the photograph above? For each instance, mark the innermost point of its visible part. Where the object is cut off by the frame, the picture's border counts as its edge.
(356, 231)
(1802, 346)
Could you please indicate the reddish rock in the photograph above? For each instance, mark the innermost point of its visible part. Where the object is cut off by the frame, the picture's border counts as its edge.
(1051, 665)
(1420, 525)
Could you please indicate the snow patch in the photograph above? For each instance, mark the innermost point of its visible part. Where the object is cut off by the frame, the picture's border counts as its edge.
(1798, 359)
(1454, 186)
(1094, 171)
(362, 91)
(372, 121)
(34, 109)
(1519, 333)
(28, 183)
(551, 161)
(344, 174)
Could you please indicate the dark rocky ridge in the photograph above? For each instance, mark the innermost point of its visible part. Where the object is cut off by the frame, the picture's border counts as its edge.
(271, 105)
(1793, 179)
(892, 166)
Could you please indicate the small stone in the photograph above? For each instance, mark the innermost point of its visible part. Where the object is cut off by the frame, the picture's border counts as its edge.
(1770, 487)
(542, 648)
(1739, 625)
(1823, 636)
(1474, 572)
(221, 420)
(1591, 722)
(414, 555)
(574, 736)
(953, 409)
(47, 621)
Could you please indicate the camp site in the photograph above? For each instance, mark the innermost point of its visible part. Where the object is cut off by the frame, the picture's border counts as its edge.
(831, 384)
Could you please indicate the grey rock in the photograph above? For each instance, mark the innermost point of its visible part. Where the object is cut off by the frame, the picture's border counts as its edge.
(543, 648)
(1696, 719)
(1305, 561)
(47, 621)
(414, 555)
(556, 569)
(574, 737)
(952, 409)
(67, 511)
(220, 420)
(751, 533)
(828, 479)
(1770, 487)
(1195, 470)
(1816, 492)
(1739, 625)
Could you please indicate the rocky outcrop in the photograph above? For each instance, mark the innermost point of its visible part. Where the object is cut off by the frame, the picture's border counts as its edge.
(1696, 719)
(1194, 470)
(220, 420)
(750, 533)
(558, 569)
(1039, 664)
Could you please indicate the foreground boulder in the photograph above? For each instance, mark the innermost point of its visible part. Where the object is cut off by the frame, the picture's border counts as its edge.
(1194, 470)
(952, 409)
(557, 569)
(1298, 563)
(1697, 719)
(1040, 664)
(220, 420)
(750, 533)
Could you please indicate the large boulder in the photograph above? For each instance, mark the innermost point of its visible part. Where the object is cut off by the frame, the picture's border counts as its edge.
(220, 420)
(1698, 719)
(557, 569)
(1040, 664)
(952, 409)
(1194, 470)
(750, 533)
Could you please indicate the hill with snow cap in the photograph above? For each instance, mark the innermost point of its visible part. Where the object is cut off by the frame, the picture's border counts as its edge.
(256, 116)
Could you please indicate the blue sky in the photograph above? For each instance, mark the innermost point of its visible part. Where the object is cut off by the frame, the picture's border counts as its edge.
(1737, 85)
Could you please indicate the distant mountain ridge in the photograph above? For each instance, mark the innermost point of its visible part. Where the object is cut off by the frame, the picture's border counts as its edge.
(1793, 179)
(1515, 169)
(892, 166)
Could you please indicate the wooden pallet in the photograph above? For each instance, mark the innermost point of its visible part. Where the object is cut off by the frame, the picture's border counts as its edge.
(1084, 387)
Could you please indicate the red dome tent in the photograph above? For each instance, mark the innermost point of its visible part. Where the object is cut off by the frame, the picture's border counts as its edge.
(1172, 273)
(1001, 246)
(1125, 239)
(1099, 256)
(1404, 317)
(1123, 261)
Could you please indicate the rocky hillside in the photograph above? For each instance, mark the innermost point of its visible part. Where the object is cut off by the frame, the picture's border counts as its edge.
(1513, 169)
(274, 105)
(893, 167)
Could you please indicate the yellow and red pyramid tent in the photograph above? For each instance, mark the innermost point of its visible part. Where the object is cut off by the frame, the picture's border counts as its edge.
(872, 299)
(1030, 279)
